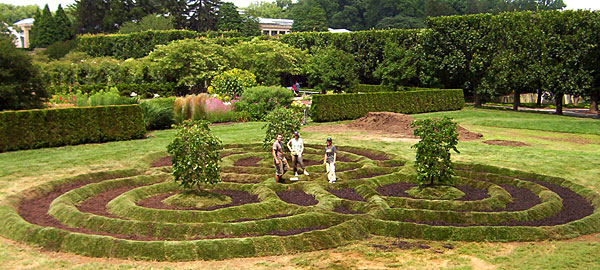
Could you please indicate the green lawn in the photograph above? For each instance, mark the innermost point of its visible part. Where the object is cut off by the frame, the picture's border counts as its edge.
(559, 146)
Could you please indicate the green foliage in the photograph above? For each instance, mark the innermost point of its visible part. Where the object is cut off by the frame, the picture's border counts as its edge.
(44, 30)
(59, 49)
(232, 83)
(338, 107)
(10, 14)
(138, 44)
(282, 121)
(57, 127)
(196, 156)
(260, 100)
(332, 69)
(190, 63)
(144, 90)
(433, 163)
(229, 17)
(264, 9)
(404, 65)
(20, 83)
(63, 26)
(369, 88)
(309, 17)
(107, 96)
(436, 193)
(158, 113)
(148, 22)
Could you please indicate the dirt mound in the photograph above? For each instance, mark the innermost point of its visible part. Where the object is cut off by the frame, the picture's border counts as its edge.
(399, 124)
(506, 143)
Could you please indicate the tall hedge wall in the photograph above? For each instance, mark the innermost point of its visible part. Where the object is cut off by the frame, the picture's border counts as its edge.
(139, 44)
(144, 90)
(351, 106)
(57, 127)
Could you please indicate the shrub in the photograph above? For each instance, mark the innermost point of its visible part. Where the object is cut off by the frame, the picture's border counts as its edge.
(281, 120)
(433, 163)
(69, 126)
(144, 90)
(351, 106)
(158, 113)
(203, 107)
(332, 69)
(232, 83)
(195, 153)
(109, 96)
(60, 49)
(258, 101)
(369, 88)
(20, 83)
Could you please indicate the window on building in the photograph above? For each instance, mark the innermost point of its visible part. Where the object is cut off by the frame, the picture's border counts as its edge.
(282, 32)
(265, 32)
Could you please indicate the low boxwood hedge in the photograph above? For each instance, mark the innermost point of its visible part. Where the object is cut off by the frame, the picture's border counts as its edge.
(31, 129)
(337, 107)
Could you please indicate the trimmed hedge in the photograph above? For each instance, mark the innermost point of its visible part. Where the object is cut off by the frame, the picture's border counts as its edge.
(337, 107)
(139, 44)
(69, 126)
(144, 90)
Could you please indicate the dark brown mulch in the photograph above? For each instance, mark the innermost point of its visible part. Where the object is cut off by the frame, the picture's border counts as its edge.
(399, 190)
(255, 219)
(238, 197)
(161, 162)
(298, 197)
(506, 143)
(35, 211)
(395, 189)
(247, 162)
(343, 210)
(347, 193)
(523, 198)
(97, 205)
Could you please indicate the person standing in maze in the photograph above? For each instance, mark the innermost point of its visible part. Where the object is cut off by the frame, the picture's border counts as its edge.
(296, 146)
(329, 160)
(281, 165)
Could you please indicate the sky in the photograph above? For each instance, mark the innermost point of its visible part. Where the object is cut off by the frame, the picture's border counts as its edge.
(571, 4)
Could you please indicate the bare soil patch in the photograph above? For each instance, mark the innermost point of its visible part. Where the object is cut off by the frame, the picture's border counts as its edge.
(399, 190)
(343, 210)
(97, 205)
(347, 193)
(386, 123)
(506, 143)
(398, 244)
(238, 197)
(248, 162)
(298, 197)
(161, 162)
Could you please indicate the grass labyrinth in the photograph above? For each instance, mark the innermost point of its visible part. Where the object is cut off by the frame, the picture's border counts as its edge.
(128, 214)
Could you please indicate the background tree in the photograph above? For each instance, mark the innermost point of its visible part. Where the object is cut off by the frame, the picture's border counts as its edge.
(90, 15)
(20, 84)
(64, 30)
(229, 17)
(263, 9)
(332, 69)
(149, 22)
(44, 30)
(309, 18)
(281, 120)
(197, 15)
(11, 13)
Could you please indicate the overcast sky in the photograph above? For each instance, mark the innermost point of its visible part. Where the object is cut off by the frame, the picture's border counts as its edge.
(571, 4)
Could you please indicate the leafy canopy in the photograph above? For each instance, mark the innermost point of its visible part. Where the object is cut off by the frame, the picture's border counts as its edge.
(281, 121)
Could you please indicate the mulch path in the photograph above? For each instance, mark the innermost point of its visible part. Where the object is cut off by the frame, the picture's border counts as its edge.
(506, 143)
(399, 190)
(298, 197)
(97, 205)
(343, 210)
(161, 162)
(238, 197)
(347, 193)
(247, 162)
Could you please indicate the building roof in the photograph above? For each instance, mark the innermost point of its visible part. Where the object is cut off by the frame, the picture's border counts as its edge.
(331, 30)
(282, 22)
(25, 21)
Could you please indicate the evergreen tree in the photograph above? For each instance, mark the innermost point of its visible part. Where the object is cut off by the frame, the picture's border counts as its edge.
(229, 18)
(63, 25)
(89, 16)
(197, 15)
(314, 19)
(44, 32)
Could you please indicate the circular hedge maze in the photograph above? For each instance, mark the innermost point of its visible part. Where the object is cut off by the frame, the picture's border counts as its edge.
(143, 214)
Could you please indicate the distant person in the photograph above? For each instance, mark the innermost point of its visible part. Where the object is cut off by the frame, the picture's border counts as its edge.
(295, 89)
(329, 160)
(296, 146)
(281, 165)
(297, 85)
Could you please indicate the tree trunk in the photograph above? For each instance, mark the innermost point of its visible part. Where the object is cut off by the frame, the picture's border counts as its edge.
(558, 100)
(595, 95)
(539, 98)
(477, 100)
(517, 100)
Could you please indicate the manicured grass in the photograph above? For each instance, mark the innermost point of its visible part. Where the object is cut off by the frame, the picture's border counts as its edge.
(559, 146)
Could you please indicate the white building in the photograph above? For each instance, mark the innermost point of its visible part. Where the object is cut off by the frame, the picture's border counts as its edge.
(272, 27)
(22, 37)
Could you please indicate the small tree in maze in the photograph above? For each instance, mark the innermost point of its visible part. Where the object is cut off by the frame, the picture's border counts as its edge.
(196, 155)
(281, 120)
(438, 137)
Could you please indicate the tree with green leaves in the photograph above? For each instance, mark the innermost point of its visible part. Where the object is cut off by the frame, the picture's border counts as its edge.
(148, 22)
(21, 86)
(10, 14)
(309, 18)
(282, 121)
(263, 9)
(332, 69)
(197, 15)
(229, 17)
(63, 28)
(433, 160)
(44, 30)
(196, 156)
